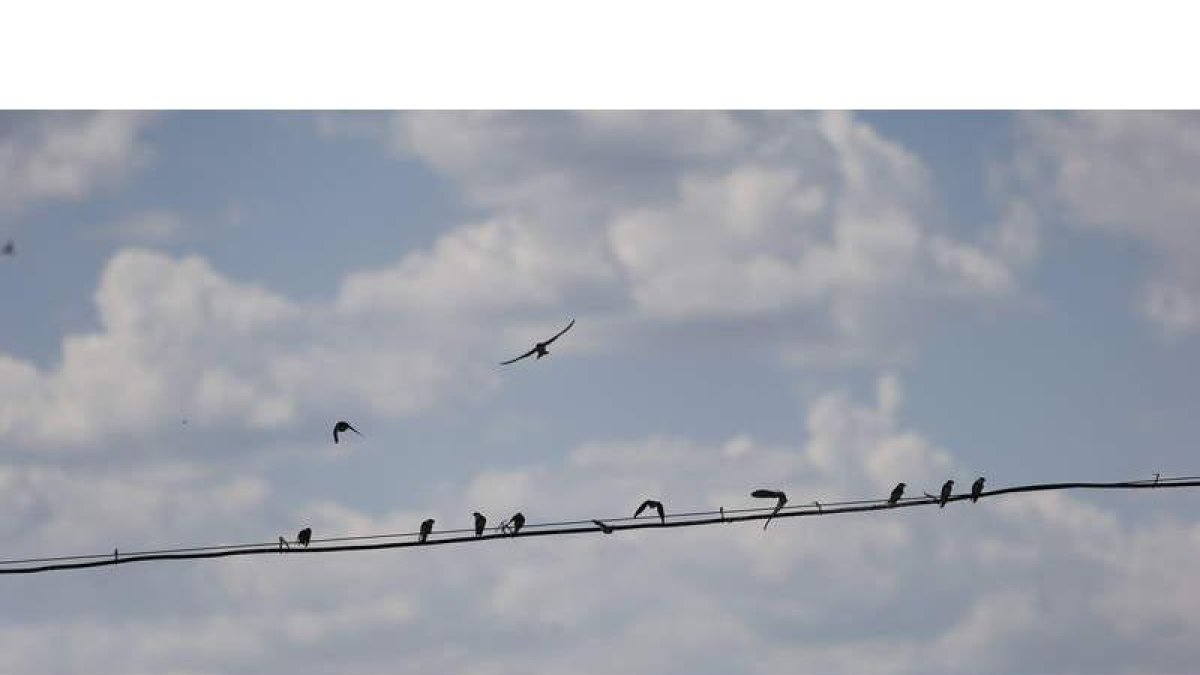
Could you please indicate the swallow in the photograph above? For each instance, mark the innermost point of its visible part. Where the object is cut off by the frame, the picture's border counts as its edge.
(304, 536)
(540, 348)
(517, 521)
(780, 498)
(480, 522)
(897, 493)
(976, 489)
(946, 487)
(9, 248)
(426, 528)
(342, 427)
(652, 504)
(607, 529)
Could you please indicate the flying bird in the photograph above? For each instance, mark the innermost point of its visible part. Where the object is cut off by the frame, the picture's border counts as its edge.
(976, 489)
(480, 522)
(946, 487)
(426, 528)
(652, 504)
(540, 348)
(342, 427)
(10, 248)
(780, 498)
(304, 537)
(607, 529)
(896, 494)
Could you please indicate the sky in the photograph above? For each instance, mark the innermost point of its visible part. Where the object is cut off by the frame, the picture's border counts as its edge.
(826, 303)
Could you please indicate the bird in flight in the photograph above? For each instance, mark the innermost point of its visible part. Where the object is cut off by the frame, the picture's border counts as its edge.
(426, 528)
(780, 498)
(946, 488)
(652, 504)
(480, 522)
(342, 427)
(9, 248)
(976, 489)
(304, 537)
(540, 348)
(607, 529)
(897, 493)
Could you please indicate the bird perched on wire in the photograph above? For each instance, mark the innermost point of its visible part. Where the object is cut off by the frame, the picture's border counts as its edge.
(517, 522)
(945, 496)
(304, 536)
(283, 544)
(897, 492)
(426, 528)
(605, 528)
(9, 248)
(976, 489)
(652, 504)
(780, 498)
(342, 427)
(480, 523)
(540, 348)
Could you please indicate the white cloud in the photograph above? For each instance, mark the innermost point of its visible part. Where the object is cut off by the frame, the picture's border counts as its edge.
(67, 155)
(1129, 175)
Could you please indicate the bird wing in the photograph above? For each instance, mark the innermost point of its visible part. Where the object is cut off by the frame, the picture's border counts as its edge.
(645, 505)
(764, 494)
(353, 429)
(528, 353)
(661, 514)
(559, 333)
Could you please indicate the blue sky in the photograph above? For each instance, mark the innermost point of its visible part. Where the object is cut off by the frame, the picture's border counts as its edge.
(827, 302)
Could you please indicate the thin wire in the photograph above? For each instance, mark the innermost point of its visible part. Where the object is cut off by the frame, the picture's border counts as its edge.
(685, 519)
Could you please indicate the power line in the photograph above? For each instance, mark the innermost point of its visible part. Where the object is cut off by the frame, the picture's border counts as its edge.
(555, 528)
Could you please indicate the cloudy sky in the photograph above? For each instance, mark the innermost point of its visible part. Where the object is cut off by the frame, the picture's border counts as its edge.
(824, 303)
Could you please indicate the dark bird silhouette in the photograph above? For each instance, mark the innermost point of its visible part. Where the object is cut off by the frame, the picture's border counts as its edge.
(976, 489)
(342, 427)
(780, 498)
(283, 544)
(946, 488)
(540, 348)
(10, 248)
(607, 529)
(517, 521)
(652, 504)
(480, 523)
(897, 493)
(426, 528)
(304, 536)
(115, 555)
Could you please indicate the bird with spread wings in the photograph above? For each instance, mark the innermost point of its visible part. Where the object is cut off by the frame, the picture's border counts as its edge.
(540, 348)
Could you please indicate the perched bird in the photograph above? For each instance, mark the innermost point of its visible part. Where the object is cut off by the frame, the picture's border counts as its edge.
(283, 544)
(480, 522)
(771, 494)
(304, 537)
(342, 427)
(652, 504)
(9, 248)
(946, 487)
(540, 348)
(976, 489)
(607, 529)
(426, 528)
(517, 521)
(897, 493)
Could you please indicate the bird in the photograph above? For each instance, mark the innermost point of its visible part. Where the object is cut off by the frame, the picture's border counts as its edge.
(304, 536)
(426, 528)
(283, 544)
(652, 504)
(896, 494)
(9, 248)
(480, 522)
(342, 427)
(771, 494)
(607, 529)
(976, 489)
(946, 487)
(540, 348)
(518, 521)
(115, 555)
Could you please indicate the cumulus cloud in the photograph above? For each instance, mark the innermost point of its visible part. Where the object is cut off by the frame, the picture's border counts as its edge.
(67, 155)
(1129, 175)
(1035, 583)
